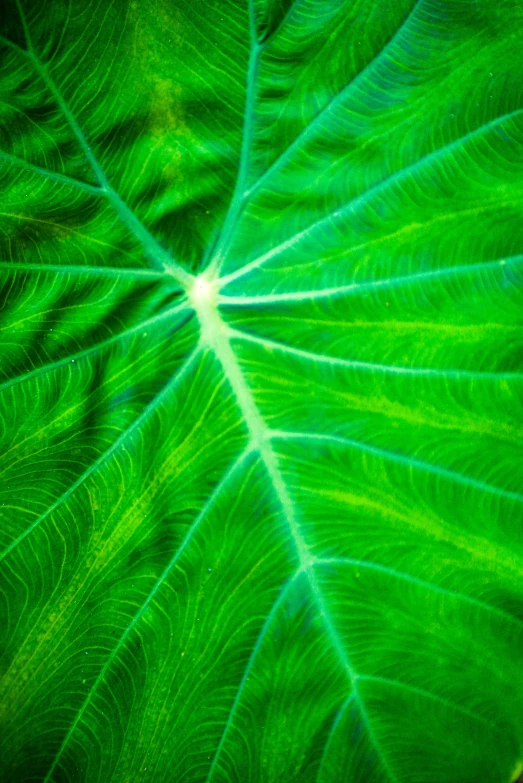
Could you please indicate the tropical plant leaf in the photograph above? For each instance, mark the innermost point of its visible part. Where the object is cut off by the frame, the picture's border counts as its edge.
(261, 391)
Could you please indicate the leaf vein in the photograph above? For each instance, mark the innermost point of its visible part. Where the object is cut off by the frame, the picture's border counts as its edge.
(151, 407)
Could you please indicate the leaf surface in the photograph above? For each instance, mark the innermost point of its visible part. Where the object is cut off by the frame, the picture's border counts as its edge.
(261, 391)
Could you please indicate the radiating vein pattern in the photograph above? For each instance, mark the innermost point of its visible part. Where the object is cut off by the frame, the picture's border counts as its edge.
(261, 391)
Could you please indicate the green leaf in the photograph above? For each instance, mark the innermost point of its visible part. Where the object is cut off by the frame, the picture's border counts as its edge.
(261, 391)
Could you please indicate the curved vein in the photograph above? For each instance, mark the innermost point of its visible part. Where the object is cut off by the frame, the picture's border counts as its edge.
(256, 649)
(53, 175)
(331, 105)
(137, 423)
(351, 364)
(394, 572)
(74, 357)
(143, 608)
(427, 694)
(291, 10)
(366, 720)
(158, 257)
(337, 720)
(410, 462)
(342, 211)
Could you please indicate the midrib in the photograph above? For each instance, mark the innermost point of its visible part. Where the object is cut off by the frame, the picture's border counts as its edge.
(215, 335)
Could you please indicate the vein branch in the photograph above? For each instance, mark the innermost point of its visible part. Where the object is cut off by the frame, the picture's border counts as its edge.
(159, 258)
(237, 203)
(430, 586)
(93, 349)
(278, 603)
(316, 124)
(84, 270)
(344, 211)
(352, 364)
(53, 175)
(107, 454)
(332, 733)
(403, 459)
(147, 603)
(365, 286)
(400, 685)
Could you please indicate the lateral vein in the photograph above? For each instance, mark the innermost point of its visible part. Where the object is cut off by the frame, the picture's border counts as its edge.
(352, 364)
(137, 423)
(363, 287)
(143, 608)
(53, 175)
(410, 462)
(343, 211)
(158, 257)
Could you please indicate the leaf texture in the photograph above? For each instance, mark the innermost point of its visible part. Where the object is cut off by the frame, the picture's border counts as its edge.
(261, 391)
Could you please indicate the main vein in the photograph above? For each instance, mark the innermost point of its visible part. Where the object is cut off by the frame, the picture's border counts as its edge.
(215, 336)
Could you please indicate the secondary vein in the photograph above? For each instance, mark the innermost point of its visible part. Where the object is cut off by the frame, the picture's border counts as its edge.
(143, 608)
(343, 211)
(53, 175)
(352, 364)
(238, 200)
(158, 257)
(109, 452)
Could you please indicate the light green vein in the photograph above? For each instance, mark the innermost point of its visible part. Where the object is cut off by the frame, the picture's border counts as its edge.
(430, 586)
(316, 124)
(137, 423)
(365, 286)
(215, 337)
(428, 695)
(237, 202)
(88, 271)
(121, 641)
(366, 720)
(11, 45)
(53, 175)
(24, 24)
(351, 364)
(337, 720)
(344, 210)
(158, 257)
(289, 13)
(254, 654)
(402, 459)
(75, 357)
